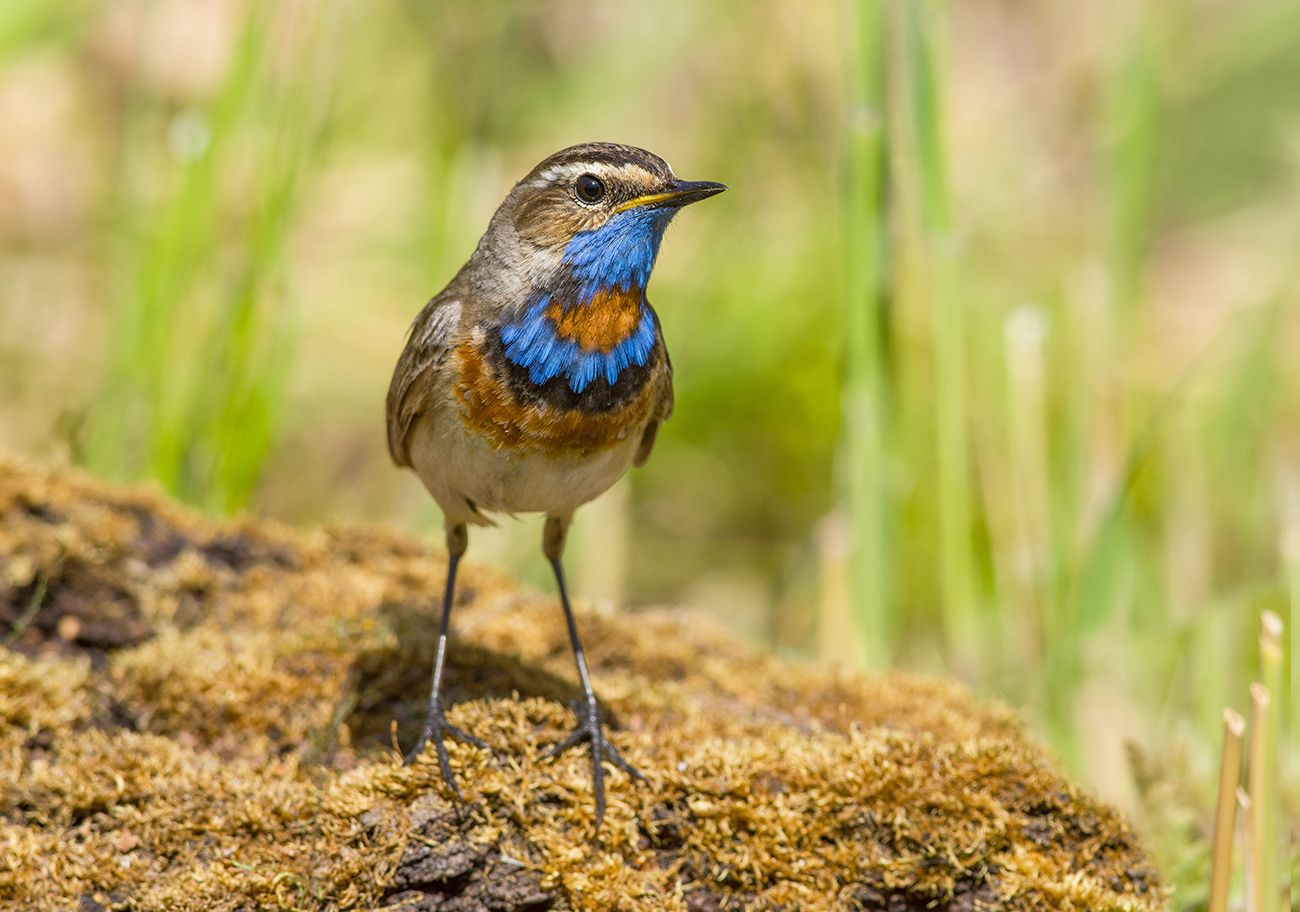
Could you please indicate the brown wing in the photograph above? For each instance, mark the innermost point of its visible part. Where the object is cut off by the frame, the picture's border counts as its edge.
(415, 384)
(663, 410)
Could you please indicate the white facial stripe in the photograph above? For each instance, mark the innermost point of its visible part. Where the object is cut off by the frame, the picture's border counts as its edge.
(569, 171)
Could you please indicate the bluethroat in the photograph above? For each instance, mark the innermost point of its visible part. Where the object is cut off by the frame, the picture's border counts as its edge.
(539, 375)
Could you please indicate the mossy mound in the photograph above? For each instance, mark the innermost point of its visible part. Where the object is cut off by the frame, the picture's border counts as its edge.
(200, 715)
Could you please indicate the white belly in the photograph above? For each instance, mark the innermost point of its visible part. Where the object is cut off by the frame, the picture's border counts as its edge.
(464, 471)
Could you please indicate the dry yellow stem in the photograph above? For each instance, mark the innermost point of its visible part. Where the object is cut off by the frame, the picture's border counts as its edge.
(1225, 812)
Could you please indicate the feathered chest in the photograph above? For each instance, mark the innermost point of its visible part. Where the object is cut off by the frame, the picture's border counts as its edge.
(582, 342)
(568, 374)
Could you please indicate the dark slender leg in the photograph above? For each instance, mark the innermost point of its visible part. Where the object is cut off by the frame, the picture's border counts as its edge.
(589, 729)
(435, 722)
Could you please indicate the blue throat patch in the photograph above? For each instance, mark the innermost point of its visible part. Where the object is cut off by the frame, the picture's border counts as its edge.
(619, 254)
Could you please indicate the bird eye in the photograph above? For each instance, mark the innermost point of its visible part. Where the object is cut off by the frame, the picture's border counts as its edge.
(590, 188)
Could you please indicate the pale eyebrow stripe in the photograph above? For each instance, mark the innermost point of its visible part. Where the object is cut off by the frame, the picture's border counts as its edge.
(573, 169)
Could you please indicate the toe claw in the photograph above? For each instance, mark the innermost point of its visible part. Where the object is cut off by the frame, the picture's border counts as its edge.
(590, 731)
(459, 734)
(574, 737)
(617, 759)
(437, 729)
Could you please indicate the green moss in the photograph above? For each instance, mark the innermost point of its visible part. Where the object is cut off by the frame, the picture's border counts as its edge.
(202, 715)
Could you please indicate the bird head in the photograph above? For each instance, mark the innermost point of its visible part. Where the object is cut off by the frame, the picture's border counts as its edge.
(599, 211)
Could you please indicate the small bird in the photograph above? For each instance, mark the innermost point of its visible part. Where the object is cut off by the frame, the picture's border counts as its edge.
(539, 375)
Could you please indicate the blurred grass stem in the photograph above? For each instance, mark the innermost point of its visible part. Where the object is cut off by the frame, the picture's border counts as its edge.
(1225, 811)
(863, 466)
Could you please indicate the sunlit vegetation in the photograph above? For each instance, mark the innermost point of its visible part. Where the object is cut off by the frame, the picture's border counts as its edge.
(986, 366)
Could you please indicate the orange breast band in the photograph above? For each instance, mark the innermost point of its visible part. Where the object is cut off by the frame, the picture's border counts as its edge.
(610, 317)
(490, 408)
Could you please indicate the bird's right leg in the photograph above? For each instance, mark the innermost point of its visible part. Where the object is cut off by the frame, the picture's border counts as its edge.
(436, 725)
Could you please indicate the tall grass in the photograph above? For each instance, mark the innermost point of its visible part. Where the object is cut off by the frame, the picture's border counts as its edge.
(1083, 519)
(198, 366)
(863, 469)
(922, 36)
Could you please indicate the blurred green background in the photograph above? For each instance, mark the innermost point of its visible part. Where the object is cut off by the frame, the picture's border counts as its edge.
(988, 364)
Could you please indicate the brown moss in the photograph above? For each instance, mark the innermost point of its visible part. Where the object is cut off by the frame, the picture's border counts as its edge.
(233, 748)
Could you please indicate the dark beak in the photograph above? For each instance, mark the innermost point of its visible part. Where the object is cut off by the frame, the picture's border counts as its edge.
(683, 193)
(677, 194)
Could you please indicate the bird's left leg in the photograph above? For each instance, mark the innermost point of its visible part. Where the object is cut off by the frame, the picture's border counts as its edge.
(590, 727)
(436, 727)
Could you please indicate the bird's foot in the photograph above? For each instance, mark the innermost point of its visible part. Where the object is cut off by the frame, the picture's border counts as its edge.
(436, 729)
(590, 730)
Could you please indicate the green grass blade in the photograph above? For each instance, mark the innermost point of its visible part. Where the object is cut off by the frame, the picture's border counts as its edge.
(863, 467)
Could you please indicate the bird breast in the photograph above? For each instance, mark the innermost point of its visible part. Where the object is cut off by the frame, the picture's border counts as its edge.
(587, 392)
(606, 321)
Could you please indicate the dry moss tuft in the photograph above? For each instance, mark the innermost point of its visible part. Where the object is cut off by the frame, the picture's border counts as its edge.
(196, 715)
